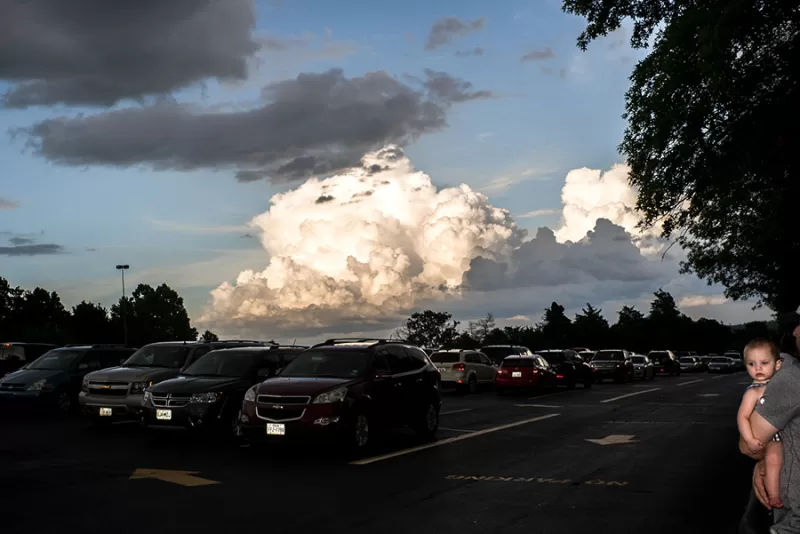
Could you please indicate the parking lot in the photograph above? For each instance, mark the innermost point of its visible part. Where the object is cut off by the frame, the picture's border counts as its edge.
(614, 458)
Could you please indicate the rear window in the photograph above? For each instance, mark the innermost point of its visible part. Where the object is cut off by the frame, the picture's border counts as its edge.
(518, 362)
(552, 357)
(445, 357)
(657, 355)
(638, 359)
(12, 352)
(615, 355)
(498, 353)
(720, 359)
(687, 359)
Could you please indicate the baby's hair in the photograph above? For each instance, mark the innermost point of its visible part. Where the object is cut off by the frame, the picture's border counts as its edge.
(760, 343)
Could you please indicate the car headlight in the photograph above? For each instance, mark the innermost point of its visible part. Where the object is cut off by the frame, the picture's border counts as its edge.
(148, 397)
(337, 395)
(40, 385)
(139, 387)
(85, 384)
(204, 398)
(250, 396)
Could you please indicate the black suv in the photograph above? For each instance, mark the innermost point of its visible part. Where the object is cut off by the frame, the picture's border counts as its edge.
(498, 353)
(345, 389)
(54, 379)
(666, 362)
(209, 392)
(570, 368)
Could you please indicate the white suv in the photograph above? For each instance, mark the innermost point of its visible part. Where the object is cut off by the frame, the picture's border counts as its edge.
(463, 369)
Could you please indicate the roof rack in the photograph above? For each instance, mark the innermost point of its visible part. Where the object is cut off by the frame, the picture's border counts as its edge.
(370, 340)
(100, 345)
(270, 342)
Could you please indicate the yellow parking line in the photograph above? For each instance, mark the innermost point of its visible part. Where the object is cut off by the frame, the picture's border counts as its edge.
(447, 441)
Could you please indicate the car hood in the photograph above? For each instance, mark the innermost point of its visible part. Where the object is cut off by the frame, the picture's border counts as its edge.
(301, 386)
(198, 384)
(29, 376)
(133, 374)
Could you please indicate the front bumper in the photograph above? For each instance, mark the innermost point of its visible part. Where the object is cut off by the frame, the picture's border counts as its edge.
(122, 407)
(197, 415)
(502, 382)
(310, 423)
(608, 372)
(26, 398)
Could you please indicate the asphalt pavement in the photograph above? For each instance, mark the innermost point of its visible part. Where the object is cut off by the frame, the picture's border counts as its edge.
(655, 457)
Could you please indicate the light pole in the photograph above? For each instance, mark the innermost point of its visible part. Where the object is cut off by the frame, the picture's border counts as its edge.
(122, 268)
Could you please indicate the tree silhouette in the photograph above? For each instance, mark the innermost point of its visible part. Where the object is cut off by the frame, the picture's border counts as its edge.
(481, 328)
(590, 328)
(712, 134)
(430, 329)
(90, 323)
(208, 335)
(154, 315)
(556, 327)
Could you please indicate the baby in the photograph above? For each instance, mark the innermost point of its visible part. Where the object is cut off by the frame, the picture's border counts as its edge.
(762, 359)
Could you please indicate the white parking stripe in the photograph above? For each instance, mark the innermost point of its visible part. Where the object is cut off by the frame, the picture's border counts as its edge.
(456, 411)
(539, 405)
(447, 441)
(456, 430)
(690, 382)
(629, 395)
(718, 377)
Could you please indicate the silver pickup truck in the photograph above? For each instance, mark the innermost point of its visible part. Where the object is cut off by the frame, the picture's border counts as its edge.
(116, 393)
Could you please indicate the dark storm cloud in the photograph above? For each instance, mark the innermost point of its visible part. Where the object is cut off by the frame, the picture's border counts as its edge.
(16, 241)
(466, 53)
(98, 52)
(31, 250)
(538, 55)
(313, 124)
(444, 30)
(6, 204)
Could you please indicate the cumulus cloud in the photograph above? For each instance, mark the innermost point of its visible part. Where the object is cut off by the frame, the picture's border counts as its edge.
(311, 125)
(538, 55)
(31, 250)
(693, 301)
(96, 52)
(366, 246)
(590, 194)
(445, 30)
(6, 204)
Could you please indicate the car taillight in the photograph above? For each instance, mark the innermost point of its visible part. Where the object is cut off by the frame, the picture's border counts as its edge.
(662, 369)
(559, 376)
(459, 367)
(501, 371)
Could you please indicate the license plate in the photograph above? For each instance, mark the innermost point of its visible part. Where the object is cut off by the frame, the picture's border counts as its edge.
(276, 429)
(105, 412)
(516, 374)
(164, 415)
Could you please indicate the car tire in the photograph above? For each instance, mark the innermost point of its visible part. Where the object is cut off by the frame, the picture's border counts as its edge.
(360, 432)
(428, 421)
(64, 402)
(472, 385)
(235, 424)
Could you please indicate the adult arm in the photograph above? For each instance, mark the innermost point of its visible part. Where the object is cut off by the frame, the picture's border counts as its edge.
(748, 443)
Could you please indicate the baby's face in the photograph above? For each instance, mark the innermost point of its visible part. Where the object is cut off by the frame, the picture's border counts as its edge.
(761, 365)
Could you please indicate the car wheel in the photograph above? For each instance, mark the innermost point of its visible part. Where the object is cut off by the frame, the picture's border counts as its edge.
(472, 385)
(360, 432)
(428, 422)
(236, 424)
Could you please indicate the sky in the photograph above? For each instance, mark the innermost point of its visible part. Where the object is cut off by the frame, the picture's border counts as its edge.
(297, 168)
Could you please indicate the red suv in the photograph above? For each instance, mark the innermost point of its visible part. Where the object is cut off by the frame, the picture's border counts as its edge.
(346, 389)
(524, 372)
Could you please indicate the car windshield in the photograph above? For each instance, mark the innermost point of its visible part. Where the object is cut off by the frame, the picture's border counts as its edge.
(615, 355)
(720, 359)
(445, 357)
(639, 359)
(555, 356)
(328, 364)
(497, 353)
(169, 356)
(56, 360)
(235, 364)
(518, 362)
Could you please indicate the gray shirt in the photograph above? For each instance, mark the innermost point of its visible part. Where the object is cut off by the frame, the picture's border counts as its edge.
(780, 406)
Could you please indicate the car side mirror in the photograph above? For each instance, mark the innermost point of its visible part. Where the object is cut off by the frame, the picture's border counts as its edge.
(381, 374)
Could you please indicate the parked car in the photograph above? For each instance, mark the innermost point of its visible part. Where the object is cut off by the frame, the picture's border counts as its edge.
(116, 394)
(209, 393)
(721, 364)
(15, 355)
(497, 353)
(54, 379)
(737, 358)
(690, 364)
(464, 370)
(570, 368)
(643, 367)
(344, 390)
(524, 372)
(612, 363)
(665, 362)
(704, 361)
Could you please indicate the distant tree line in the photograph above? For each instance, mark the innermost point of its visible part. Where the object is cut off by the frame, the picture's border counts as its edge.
(38, 316)
(663, 327)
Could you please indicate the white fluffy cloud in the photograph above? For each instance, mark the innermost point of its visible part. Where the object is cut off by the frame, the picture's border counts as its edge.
(360, 250)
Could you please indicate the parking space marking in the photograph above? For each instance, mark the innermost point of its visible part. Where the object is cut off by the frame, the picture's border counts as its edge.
(629, 395)
(455, 430)
(550, 394)
(690, 382)
(718, 377)
(447, 441)
(539, 405)
(451, 412)
(656, 422)
(183, 478)
(538, 480)
(708, 395)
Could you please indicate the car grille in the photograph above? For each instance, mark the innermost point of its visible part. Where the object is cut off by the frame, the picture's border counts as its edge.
(12, 387)
(170, 401)
(278, 399)
(111, 389)
(272, 413)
